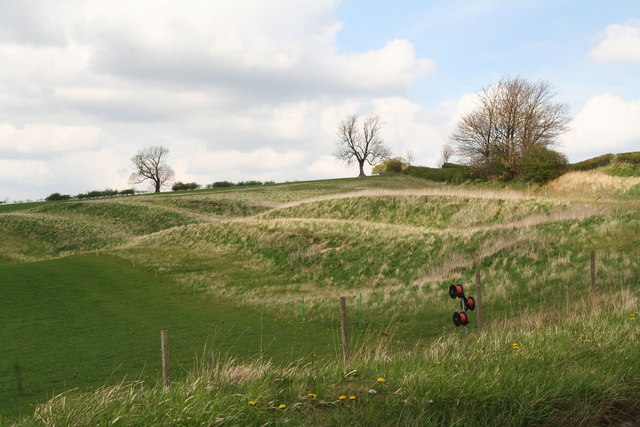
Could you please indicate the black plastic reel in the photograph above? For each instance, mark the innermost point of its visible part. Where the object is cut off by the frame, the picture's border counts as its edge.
(470, 303)
(460, 319)
(456, 291)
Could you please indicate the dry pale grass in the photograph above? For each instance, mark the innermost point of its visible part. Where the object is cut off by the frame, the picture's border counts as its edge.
(592, 181)
(391, 230)
(231, 372)
(445, 190)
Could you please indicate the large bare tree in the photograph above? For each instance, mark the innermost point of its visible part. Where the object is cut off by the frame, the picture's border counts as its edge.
(512, 117)
(149, 164)
(361, 146)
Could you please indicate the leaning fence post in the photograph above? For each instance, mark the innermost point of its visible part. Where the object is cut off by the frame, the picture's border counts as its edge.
(164, 343)
(360, 312)
(479, 300)
(345, 336)
(593, 272)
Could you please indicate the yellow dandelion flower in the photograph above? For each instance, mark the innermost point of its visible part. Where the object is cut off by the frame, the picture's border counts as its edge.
(252, 402)
(381, 380)
(438, 363)
(282, 406)
(342, 397)
(312, 395)
(352, 397)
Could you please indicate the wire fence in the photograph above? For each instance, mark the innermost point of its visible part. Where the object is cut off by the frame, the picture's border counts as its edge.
(32, 371)
(33, 374)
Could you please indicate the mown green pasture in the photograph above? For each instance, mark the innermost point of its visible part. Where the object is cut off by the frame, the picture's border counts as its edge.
(86, 321)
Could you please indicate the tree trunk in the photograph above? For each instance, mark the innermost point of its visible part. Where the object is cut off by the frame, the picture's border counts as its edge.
(157, 186)
(361, 164)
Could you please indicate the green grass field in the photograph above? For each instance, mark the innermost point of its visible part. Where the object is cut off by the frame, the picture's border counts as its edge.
(87, 286)
(84, 321)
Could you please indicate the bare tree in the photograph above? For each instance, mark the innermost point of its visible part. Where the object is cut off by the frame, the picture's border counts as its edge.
(511, 118)
(149, 164)
(366, 146)
(409, 157)
(446, 153)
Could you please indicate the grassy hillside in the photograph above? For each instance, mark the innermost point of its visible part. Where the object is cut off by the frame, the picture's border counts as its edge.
(246, 258)
(579, 371)
(622, 164)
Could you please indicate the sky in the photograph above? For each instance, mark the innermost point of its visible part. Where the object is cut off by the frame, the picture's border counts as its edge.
(255, 89)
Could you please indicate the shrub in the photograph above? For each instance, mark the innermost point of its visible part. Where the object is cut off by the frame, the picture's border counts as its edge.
(183, 186)
(220, 184)
(541, 164)
(390, 166)
(102, 193)
(249, 183)
(128, 192)
(632, 157)
(447, 165)
(56, 196)
(453, 173)
(594, 163)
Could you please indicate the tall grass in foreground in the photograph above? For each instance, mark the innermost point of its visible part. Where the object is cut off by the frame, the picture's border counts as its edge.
(581, 370)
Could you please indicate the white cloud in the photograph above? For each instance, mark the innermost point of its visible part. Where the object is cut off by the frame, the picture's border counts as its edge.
(393, 66)
(237, 90)
(619, 44)
(41, 139)
(83, 171)
(331, 167)
(23, 170)
(262, 47)
(606, 123)
(263, 159)
(23, 179)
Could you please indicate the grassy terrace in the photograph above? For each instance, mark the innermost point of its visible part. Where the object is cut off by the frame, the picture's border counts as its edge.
(89, 285)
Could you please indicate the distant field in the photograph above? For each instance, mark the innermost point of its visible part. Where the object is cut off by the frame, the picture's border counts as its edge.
(87, 286)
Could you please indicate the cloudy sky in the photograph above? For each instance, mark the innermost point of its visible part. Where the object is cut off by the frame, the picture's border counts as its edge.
(254, 89)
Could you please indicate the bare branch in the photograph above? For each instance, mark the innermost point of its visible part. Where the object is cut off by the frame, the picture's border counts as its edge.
(512, 117)
(149, 164)
(366, 146)
(446, 153)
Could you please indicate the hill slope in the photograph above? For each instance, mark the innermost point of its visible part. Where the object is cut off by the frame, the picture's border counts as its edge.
(276, 254)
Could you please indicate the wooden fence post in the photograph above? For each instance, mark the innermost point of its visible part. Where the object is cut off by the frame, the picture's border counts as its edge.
(479, 299)
(164, 343)
(18, 373)
(593, 272)
(360, 312)
(345, 336)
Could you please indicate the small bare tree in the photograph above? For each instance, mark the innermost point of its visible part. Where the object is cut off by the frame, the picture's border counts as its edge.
(446, 154)
(409, 157)
(366, 146)
(149, 164)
